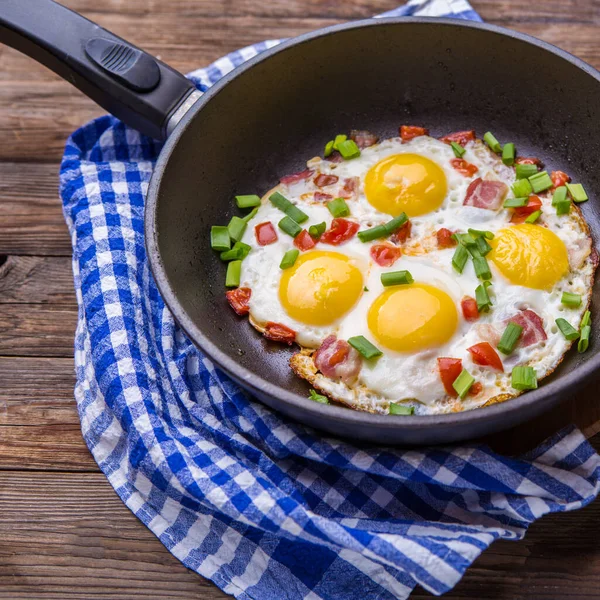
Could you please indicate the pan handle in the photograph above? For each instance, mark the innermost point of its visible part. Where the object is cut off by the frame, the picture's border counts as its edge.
(131, 84)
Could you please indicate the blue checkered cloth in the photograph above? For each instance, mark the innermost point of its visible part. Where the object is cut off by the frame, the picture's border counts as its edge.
(264, 507)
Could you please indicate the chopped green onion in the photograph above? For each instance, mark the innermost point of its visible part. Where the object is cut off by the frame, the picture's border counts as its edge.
(328, 149)
(395, 224)
(577, 192)
(400, 409)
(524, 378)
(586, 319)
(249, 201)
(462, 384)
(474, 251)
(466, 239)
(236, 228)
(560, 201)
(540, 182)
(238, 252)
(458, 149)
(483, 247)
(396, 278)
(364, 347)
(482, 269)
(338, 208)
(289, 258)
(234, 272)
(318, 230)
(250, 215)
(365, 289)
(483, 300)
(219, 238)
(289, 226)
(349, 149)
(533, 217)
(567, 329)
(515, 202)
(315, 397)
(374, 233)
(525, 171)
(460, 258)
(284, 205)
(563, 208)
(509, 338)
(338, 140)
(492, 142)
(481, 233)
(584, 340)
(570, 300)
(522, 188)
(508, 154)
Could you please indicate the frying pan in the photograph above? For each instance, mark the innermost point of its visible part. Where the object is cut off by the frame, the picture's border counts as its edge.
(268, 116)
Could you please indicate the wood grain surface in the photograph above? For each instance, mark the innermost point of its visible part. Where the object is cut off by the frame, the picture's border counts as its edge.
(64, 534)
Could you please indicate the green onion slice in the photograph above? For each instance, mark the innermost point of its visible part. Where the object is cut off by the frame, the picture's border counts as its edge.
(508, 154)
(236, 228)
(515, 202)
(234, 272)
(482, 298)
(567, 329)
(482, 269)
(316, 397)
(525, 171)
(317, 230)
(488, 235)
(522, 188)
(460, 258)
(584, 340)
(533, 217)
(401, 409)
(560, 195)
(587, 318)
(466, 239)
(338, 140)
(284, 205)
(219, 238)
(458, 149)
(482, 246)
(289, 258)
(540, 182)
(524, 378)
(492, 142)
(374, 233)
(289, 226)
(364, 347)
(349, 149)
(248, 201)
(577, 192)
(239, 251)
(338, 208)
(396, 278)
(462, 384)
(570, 300)
(395, 224)
(250, 215)
(328, 149)
(509, 338)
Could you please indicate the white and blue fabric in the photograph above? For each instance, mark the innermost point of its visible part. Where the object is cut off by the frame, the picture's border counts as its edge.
(266, 508)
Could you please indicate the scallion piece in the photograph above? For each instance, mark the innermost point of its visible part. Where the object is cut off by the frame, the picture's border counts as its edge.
(508, 154)
(338, 140)
(284, 205)
(533, 217)
(524, 378)
(586, 319)
(515, 202)
(482, 246)
(577, 192)
(248, 201)
(234, 271)
(289, 226)
(584, 340)
(316, 397)
(462, 384)
(374, 233)
(236, 228)
(525, 171)
(466, 239)
(364, 347)
(289, 258)
(328, 149)
(492, 142)
(396, 278)
(488, 235)
(239, 251)
(567, 329)
(482, 298)
(460, 258)
(250, 215)
(509, 338)
(482, 269)
(395, 224)
(349, 149)
(560, 201)
(458, 149)
(219, 238)
(338, 208)
(540, 182)
(570, 300)
(317, 230)
(522, 188)
(401, 409)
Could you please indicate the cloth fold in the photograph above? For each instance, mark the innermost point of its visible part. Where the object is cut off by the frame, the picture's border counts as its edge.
(262, 506)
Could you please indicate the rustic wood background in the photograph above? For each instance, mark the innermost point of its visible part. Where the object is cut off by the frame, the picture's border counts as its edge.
(63, 531)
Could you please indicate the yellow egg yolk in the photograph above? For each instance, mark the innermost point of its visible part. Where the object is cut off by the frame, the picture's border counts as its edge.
(406, 183)
(530, 255)
(414, 317)
(320, 287)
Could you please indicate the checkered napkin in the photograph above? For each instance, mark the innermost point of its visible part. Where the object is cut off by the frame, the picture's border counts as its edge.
(264, 507)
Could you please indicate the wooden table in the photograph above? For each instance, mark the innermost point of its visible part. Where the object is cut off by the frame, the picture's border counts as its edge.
(63, 531)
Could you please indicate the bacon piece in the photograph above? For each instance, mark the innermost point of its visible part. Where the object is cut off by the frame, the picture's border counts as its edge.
(483, 354)
(444, 238)
(522, 212)
(303, 241)
(295, 177)
(402, 234)
(460, 137)
(559, 178)
(450, 369)
(321, 180)
(363, 139)
(385, 255)
(337, 359)
(483, 193)
(469, 308)
(265, 233)
(529, 160)
(239, 300)
(475, 389)
(349, 188)
(463, 167)
(533, 327)
(339, 231)
(279, 333)
(322, 197)
(408, 132)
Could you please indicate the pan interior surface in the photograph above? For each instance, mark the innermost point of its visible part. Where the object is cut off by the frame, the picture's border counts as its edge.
(277, 113)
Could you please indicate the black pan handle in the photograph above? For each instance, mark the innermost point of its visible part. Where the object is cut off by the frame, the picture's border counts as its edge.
(131, 84)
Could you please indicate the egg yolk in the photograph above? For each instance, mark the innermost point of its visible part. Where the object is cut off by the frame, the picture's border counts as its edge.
(530, 255)
(320, 287)
(413, 317)
(405, 183)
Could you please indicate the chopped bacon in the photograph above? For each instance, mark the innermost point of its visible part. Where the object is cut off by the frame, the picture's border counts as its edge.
(463, 167)
(349, 188)
(239, 300)
(322, 197)
(559, 178)
(408, 132)
(460, 137)
(483, 193)
(483, 354)
(339, 231)
(402, 234)
(336, 359)
(265, 233)
(444, 238)
(335, 157)
(279, 333)
(475, 389)
(303, 241)
(522, 212)
(533, 327)
(450, 369)
(529, 160)
(363, 139)
(385, 255)
(469, 308)
(295, 177)
(321, 180)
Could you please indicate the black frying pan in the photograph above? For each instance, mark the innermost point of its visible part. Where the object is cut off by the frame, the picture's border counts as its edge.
(267, 117)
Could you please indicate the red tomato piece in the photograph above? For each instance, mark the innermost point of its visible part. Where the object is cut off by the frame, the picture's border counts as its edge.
(400, 236)
(408, 132)
(265, 233)
(522, 212)
(483, 354)
(339, 231)
(385, 255)
(303, 241)
(463, 167)
(239, 300)
(279, 333)
(321, 180)
(529, 160)
(460, 137)
(450, 369)
(469, 308)
(475, 389)
(559, 178)
(444, 238)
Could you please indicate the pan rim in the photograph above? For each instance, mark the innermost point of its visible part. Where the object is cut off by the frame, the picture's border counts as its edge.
(550, 392)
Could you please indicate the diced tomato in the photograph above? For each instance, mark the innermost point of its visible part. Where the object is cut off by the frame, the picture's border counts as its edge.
(265, 233)
(321, 180)
(385, 255)
(463, 167)
(559, 178)
(529, 160)
(239, 300)
(339, 231)
(279, 333)
(400, 236)
(303, 241)
(322, 196)
(408, 132)
(450, 369)
(469, 308)
(444, 238)
(483, 354)
(522, 212)
(460, 137)
(475, 389)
